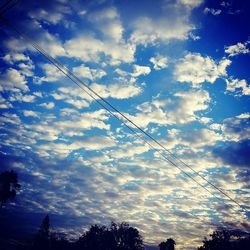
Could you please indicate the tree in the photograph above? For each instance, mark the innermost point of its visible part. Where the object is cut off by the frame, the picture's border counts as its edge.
(94, 238)
(225, 240)
(115, 237)
(42, 239)
(163, 245)
(44, 228)
(126, 237)
(168, 245)
(8, 186)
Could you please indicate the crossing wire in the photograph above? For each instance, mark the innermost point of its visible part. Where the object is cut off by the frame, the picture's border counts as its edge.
(173, 159)
(6, 6)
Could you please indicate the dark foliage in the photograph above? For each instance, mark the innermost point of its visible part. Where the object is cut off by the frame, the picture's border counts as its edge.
(115, 237)
(42, 239)
(167, 245)
(226, 240)
(8, 186)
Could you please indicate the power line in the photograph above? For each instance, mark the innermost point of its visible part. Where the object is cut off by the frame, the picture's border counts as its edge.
(5, 4)
(90, 92)
(4, 8)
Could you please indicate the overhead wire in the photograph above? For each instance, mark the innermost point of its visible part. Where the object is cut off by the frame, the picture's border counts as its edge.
(90, 92)
(5, 8)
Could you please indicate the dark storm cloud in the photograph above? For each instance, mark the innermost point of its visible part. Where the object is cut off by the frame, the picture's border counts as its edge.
(235, 153)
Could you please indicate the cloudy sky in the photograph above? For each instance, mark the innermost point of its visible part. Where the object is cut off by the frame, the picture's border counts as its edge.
(179, 69)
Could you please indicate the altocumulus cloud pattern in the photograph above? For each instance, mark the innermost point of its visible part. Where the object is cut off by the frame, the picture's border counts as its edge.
(177, 68)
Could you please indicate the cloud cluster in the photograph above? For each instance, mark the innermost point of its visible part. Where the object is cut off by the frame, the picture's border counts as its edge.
(212, 11)
(159, 62)
(172, 24)
(13, 80)
(78, 161)
(239, 87)
(180, 110)
(88, 48)
(237, 128)
(237, 49)
(89, 73)
(196, 69)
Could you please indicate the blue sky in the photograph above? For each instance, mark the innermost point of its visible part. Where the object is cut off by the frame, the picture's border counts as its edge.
(179, 69)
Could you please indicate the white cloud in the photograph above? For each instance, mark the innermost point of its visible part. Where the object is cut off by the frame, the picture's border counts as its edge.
(82, 12)
(93, 143)
(38, 94)
(13, 80)
(49, 105)
(190, 103)
(85, 121)
(236, 128)
(30, 113)
(42, 37)
(79, 104)
(171, 22)
(197, 69)
(206, 120)
(15, 57)
(148, 31)
(9, 118)
(233, 85)
(23, 61)
(89, 73)
(216, 126)
(195, 139)
(108, 22)
(226, 4)
(52, 74)
(81, 99)
(239, 48)
(190, 3)
(214, 12)
(129, 150)
(67, 93)
(159, 62)
(89, 48)
(118, 91)
(181, 110)
(52, 44)
(72, 98)
(140, 70)
(4, 104)
(26, 68)
(22, 98)
(53, 15)
(44, 15)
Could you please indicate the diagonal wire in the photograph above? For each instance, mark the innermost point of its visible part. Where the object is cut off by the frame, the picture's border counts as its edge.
(79, 82)
(4, 8)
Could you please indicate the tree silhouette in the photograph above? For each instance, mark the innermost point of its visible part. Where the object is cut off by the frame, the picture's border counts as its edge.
(167, 245)
(59, 242)
(8, 186)
(94, 238)
(225, 240)
(42, 239)
(115, 237)
(126, 237)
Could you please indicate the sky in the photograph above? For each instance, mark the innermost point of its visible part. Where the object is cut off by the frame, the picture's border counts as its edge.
(179, 69)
